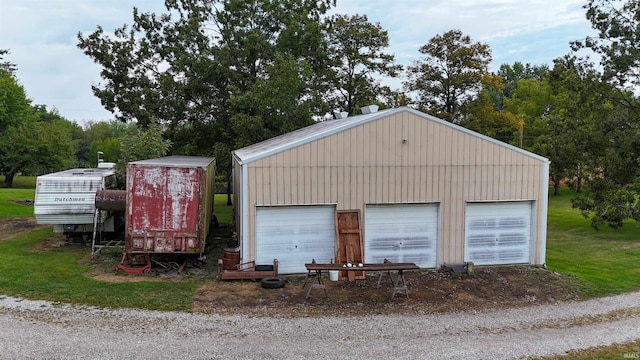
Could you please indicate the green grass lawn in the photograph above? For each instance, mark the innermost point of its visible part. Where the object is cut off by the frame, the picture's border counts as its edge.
(60, 275)
(604, 262)
(8, 205)
(23, 189)
(21, 182)
(223, 212)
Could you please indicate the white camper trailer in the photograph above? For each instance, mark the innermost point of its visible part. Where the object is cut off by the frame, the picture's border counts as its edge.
(66, 200)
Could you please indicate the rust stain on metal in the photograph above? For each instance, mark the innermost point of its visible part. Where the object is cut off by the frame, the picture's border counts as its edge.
(114, 200)
(167, 204)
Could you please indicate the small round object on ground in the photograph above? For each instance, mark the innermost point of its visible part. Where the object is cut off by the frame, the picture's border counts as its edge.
(272, 283)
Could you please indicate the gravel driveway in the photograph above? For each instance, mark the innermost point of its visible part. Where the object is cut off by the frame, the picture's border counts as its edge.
(44, 330)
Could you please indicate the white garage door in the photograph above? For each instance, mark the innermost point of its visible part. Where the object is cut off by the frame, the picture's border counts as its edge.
(295, 235)
(401, 233)
(498, 233)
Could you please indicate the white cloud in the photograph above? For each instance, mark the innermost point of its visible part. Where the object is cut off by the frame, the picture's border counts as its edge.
(507, 26)
(41, 36)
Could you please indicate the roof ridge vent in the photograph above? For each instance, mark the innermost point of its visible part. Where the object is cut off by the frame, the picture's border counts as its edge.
(340, 114)
(369, 109)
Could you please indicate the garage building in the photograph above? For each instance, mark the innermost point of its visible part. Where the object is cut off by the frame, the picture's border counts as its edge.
(428, 192)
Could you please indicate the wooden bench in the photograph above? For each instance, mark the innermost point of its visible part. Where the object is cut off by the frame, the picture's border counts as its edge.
(247, 270)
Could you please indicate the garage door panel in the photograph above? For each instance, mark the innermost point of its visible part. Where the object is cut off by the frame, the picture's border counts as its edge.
(513, 222)
(513, 256)
(401, 233)
(498, 233)
(513, 239)
(391, 243)
(295, 235)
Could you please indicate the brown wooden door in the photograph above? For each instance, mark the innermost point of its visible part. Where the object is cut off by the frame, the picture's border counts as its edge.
(349, 243)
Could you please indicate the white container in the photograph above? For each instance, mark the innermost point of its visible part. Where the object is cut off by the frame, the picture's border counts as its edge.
(333, 275)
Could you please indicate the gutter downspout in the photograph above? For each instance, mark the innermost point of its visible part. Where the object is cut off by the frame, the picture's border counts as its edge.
(544, 209)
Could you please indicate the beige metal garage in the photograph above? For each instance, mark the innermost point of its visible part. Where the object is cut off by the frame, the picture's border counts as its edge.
(429, 192)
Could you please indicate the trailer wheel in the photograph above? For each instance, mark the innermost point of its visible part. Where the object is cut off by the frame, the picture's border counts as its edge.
(272, 283)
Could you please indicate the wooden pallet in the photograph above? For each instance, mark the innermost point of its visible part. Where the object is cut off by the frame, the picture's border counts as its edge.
(248, 270)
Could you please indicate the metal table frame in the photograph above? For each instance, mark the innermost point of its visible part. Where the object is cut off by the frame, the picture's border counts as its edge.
(315, 270)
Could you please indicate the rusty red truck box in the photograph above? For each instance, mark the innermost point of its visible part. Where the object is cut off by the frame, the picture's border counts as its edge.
(169, 204)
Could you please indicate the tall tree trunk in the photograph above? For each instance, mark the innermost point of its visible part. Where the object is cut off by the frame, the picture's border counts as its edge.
(8, 179)
(578, 184)
(229, 203)
(556, 185)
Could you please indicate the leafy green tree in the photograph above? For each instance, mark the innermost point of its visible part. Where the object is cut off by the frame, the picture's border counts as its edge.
(553, 124)
(260, 115)
(273, 58)
(13, 140)
(510, 75)
(101, 136)
(618, 40)
(108, 149)
(356, 48)
(614, 186)
(33, 147)
(280, 44)
(33, 140)
(15, 109)
(451, 74)
(140, 144)
(156, 70)
(488, 114)
(481, 116)
(184, 66)
(531, 102)
(6, 65)
(52, 118)
(56, 148)
(14, 104)
(394, 98)
(583, 106)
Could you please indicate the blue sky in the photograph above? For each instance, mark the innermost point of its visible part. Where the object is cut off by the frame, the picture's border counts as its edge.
(41, 35)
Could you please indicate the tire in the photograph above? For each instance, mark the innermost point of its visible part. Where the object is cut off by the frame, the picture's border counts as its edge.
(272, 283)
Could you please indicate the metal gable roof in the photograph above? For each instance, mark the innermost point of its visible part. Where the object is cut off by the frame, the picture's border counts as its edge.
(176, 161)
(80, 173)
(325, 128)
(305, 135)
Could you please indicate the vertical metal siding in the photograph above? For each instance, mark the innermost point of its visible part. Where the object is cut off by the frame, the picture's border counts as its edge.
(370, 164)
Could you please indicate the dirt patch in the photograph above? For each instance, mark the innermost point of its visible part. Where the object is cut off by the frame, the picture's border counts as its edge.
(53, 241)
(11, 227)
(429, 292)
(103, 268)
